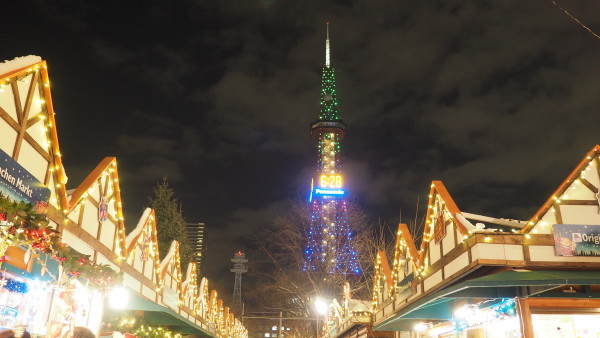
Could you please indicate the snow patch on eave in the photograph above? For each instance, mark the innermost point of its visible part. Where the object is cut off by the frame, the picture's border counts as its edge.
(188, 276)
(138, 229)
(355, 305)
(169, 255)
(17, 63)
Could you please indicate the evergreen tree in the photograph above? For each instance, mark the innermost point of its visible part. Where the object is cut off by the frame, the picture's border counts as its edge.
(170, 223)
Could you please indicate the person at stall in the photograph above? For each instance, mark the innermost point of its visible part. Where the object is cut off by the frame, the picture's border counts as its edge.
(11, 334)
(7, 334)
(83, 332)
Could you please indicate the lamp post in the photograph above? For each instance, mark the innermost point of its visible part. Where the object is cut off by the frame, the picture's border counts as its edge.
(321, 306)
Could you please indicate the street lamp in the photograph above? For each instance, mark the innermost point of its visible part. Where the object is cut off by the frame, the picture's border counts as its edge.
(321, 306)
(118, 297)
(420, 327)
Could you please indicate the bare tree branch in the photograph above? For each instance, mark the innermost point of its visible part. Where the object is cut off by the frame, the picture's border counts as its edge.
(278, 282)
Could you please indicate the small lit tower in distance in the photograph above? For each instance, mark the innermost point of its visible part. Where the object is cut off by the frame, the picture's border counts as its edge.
(239, 267)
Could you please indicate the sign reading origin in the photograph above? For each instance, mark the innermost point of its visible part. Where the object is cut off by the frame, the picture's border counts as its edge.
(18, 184)
(576, 239)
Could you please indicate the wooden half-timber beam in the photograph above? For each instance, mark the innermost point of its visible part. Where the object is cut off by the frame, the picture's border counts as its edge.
(561, 189)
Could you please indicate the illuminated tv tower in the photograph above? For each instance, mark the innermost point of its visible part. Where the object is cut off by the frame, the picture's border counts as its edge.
(329, 246)
(239, 267)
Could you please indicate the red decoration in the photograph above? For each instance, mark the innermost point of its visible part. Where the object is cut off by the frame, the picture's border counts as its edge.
(439, 230)
(28, 227)
(40, 207)
(146, 244)
(103, 209)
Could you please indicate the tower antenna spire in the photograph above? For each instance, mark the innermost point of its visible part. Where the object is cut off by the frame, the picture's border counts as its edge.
(327, 52)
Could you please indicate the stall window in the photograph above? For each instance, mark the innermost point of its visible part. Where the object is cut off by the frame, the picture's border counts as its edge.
(566, 325)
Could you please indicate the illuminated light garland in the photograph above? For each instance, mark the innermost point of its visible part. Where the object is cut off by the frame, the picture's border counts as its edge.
(577, 177)
(139, 328)
(75, 264)
(158, 332)
(46, 116)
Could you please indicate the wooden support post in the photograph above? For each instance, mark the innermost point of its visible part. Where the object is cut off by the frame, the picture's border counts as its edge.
(525, 318)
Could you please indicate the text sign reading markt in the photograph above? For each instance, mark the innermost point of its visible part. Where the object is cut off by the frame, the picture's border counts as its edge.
(576, 239)
(18, 184)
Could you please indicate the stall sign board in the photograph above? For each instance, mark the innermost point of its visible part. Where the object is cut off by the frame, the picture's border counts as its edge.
(405, 287)
(439, 230)
(170, 298)
(18, 184)
(576, 239)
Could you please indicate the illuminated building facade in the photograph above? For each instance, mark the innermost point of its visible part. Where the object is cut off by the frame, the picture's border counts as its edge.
(197, 237)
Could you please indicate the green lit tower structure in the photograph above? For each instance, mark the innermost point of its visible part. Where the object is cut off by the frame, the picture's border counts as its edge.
(329, 237)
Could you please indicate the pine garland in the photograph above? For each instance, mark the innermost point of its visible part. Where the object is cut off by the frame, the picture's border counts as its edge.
(22, 224)
(138, 327)
(156, 332)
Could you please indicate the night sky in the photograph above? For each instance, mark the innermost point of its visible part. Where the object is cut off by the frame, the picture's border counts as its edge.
(498, 99)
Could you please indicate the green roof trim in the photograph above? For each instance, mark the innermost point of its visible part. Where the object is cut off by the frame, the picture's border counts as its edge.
(538, 277)
(156, 314)
(507, 284)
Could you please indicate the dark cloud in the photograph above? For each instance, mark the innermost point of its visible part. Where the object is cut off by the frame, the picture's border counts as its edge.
(497, 99)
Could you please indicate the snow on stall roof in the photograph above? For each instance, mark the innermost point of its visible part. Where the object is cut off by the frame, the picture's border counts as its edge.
(18, 63)
(188, 276)
(355, 305)
(337, 308)
(478, 227)
(138, 229)
(165, 261)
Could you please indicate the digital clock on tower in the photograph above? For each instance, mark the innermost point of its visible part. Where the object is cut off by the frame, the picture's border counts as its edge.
(334, 181)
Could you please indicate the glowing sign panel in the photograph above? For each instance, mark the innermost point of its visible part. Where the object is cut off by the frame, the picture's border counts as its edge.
(330, 191)
(331, 181)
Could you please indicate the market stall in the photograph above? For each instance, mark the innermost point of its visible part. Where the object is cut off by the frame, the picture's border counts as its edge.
(67, 248)
(498, 277)
(25, 297)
